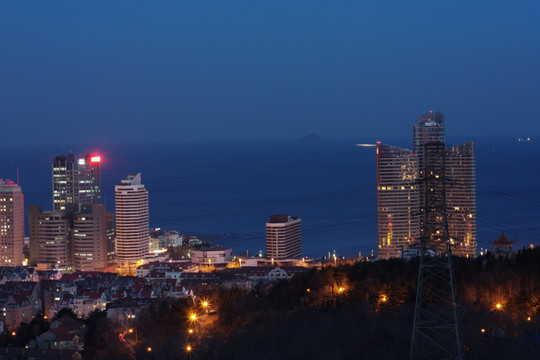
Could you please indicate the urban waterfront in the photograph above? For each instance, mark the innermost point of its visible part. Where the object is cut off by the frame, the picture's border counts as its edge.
(226, 190)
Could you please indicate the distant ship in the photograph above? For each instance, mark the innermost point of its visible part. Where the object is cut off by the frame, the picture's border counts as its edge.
(524, 139)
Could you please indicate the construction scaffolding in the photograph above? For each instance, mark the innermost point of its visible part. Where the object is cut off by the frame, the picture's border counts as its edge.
(436, 331)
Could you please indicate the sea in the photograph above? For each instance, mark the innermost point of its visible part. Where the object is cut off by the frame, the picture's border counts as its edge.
(225, 191)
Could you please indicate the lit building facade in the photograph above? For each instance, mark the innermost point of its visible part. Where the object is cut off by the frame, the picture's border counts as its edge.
(405, 207)
(50, 238)
(11, 224)
(283, 237)
(461, 198)
(75, 181)
(397, 200)
(132, 223)
(93, 239)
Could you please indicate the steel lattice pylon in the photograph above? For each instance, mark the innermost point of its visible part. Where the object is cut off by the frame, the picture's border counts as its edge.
(436, 331)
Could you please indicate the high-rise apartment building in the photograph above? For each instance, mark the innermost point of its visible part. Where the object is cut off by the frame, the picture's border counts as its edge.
(393, 170)
(461, 198)
(80, 241)
(93, 239)
(50, 238)
(132, 223)
(11, 224)
(283, 237)
(397, 200)
(75, 181)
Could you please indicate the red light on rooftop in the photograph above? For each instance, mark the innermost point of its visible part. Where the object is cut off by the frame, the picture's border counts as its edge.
(95, 159)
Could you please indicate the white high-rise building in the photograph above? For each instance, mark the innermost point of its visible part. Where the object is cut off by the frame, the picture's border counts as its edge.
(132, 224)
(401, 195)
(283, 237)
(397, 200)
(11, 224)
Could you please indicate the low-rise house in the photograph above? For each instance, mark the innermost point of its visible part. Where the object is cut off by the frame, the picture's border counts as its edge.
(15, 310)
(125, 312)
(65, 333)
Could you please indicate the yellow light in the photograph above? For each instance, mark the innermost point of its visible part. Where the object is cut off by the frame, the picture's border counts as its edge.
(131, 330)
(308, 290)
(529, 318)
(384, 298)
(205, 304)
(190, 331)
(498, 306)
(188, 348)
(149, 349)
(483, 330)
(13, 333)
(193, 317)
(341, 289)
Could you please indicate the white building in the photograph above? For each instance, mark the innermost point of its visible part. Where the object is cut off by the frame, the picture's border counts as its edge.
(211, 256)
(132, 231)
(283, 237)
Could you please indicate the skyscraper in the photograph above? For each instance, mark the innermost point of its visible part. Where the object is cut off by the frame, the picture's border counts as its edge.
(93, 239)
(397, 200)
(283, 237)
(11, 224)
(75, 181)
(461, 198)
(50, 238)
(405, 206)
(132, 223)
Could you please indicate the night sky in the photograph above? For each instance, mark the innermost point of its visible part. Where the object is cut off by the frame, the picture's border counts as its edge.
(134, 71)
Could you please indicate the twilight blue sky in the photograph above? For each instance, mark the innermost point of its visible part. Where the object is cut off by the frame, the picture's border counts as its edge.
(133, 71)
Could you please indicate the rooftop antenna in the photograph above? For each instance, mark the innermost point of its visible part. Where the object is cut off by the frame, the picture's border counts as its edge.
(17, 176)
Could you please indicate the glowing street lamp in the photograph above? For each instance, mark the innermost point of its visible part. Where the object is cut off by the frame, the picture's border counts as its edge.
(193, 317)
(341, 289)
(498, 306)
(190, 331)
(189, 348)
(149, 349)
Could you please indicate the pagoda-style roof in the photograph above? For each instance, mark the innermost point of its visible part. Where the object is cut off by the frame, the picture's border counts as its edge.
(502, 240)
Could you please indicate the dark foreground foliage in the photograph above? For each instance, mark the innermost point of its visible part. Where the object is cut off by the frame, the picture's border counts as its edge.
(357, 311)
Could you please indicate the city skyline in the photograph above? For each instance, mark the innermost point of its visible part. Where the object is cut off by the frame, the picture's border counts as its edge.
(401, 193)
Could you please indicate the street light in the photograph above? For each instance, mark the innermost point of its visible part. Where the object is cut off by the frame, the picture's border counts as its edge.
(205, 305)
(193, 317)
(189, 348)
(190, 331)
(149, 349)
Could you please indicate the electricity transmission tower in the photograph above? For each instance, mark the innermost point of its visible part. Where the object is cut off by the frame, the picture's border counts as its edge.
(436, 331)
